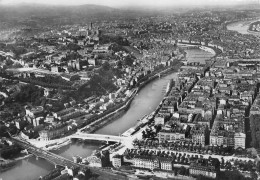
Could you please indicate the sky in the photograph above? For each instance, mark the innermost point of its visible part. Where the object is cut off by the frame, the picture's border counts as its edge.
(125, 3)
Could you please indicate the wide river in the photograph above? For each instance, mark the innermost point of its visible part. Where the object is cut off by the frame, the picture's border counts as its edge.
(144, 103)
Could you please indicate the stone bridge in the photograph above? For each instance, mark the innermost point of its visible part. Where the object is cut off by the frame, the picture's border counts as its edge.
(99, 137)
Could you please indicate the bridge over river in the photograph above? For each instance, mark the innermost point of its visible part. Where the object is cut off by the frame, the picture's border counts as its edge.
(61, 161)
(99, 137)
(49, 156)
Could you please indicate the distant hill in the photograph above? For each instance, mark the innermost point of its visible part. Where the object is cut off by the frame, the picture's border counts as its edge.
(42, 14)
(25, 9)
(27, 20)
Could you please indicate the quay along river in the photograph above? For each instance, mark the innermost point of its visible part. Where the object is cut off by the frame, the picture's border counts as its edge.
(144, 103)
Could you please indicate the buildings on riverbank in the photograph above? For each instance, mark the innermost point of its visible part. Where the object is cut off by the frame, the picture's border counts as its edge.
(203, 112)
(207, 109)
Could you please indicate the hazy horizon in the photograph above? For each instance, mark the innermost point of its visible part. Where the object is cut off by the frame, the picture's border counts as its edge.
(129, 3)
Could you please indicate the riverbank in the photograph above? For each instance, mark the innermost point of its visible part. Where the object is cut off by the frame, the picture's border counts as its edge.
(213, 49)
(242, 26)
(23, 157)
(118, 113)
(163, 73)
(143, 104)
(101, 122)
(198, 46)
(239, 20)
(9, 164)
(250, 27)
(253, 32)
(109, 118)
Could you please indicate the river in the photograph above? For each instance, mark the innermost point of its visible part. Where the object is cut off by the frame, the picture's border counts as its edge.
(144, 103)
(195, 55)
(240, 27)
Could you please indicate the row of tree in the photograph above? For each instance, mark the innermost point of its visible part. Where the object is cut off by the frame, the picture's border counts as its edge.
(191, 147)
(29, 93)
(10, 151)
(255, 130)
(105, 39)
(54, 84)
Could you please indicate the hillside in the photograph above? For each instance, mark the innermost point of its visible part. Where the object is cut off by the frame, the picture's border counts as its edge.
(30, 14)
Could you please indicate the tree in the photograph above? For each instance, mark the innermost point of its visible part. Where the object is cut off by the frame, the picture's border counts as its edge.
(253, 175)
(258, 167)
(182, 170)
(119, 64)
(158, 128)
(75, 78)
(143, 134)
(11, 151)
(175, 172)
(70, 69)
(62, 48)
(200, 177)
(73, 47)
(17, 65)
(128, 61)
(3, 131)
(254, 127)
(106, 66)
(29, 93)
(187, 172)
(2, 45)
(9, 62)
(17, 49)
